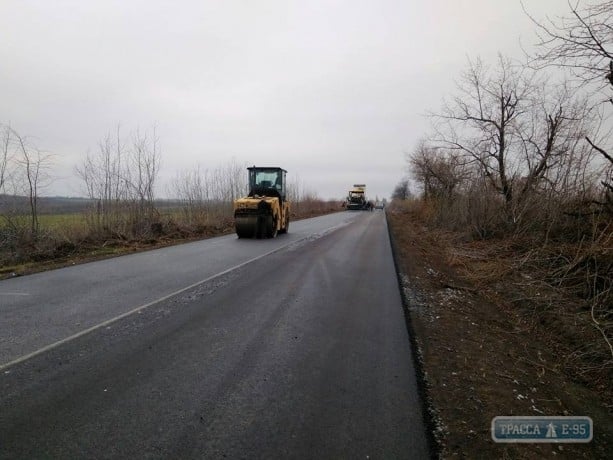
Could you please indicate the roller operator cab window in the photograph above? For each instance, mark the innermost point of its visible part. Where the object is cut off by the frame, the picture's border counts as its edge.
(267, 179)
(263, 181)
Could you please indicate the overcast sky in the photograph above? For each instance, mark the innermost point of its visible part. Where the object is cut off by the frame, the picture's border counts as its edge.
(333, 91)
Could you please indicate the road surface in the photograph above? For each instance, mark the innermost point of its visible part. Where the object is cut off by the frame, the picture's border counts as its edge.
(288, 348)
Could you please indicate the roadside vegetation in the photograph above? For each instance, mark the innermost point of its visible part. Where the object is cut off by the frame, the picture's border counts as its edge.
(120, 212)
(512, 217)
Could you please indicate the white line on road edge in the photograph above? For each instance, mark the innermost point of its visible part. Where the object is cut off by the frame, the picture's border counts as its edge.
(147, 305)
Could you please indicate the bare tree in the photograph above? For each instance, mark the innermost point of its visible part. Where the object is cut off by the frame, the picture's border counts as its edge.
(402, 191)
(102, 174)
(34, 164)
(480, 122)
(516, 130)
(440, 172)
(7, 230)
(582, 43)
(142, 171)
(551, 138)
(5, 140)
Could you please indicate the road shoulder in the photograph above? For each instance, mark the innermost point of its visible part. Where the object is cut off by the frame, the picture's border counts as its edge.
(478, 359)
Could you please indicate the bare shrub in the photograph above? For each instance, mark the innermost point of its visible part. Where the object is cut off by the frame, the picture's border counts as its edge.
(120, 179)
(440, 172)
(192, 189)
(206, 196)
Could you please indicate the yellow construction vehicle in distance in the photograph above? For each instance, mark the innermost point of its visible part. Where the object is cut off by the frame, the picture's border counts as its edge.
(265, 211)
(356, 200)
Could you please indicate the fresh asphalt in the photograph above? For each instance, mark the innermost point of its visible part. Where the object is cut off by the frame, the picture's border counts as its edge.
(288, 348)
(37, 311)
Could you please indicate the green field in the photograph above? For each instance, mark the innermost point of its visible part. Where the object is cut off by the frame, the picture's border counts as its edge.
(49, 222)
(62, 221)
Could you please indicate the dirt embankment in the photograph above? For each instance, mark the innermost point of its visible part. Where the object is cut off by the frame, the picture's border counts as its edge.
(480, 356)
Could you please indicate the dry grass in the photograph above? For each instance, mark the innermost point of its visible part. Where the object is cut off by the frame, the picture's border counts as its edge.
(496, 337)
(563, 287)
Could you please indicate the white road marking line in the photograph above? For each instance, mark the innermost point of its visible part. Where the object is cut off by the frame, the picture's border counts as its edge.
(147, 305)
(14, 293)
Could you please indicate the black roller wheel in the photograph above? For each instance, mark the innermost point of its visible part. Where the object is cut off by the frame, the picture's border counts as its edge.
(246, 226)
(271, 227)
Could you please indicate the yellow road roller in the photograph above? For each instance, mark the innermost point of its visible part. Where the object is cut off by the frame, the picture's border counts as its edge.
(265, 211)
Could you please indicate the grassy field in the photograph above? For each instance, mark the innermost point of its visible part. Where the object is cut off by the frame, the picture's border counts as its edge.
(48, 221)
(63, 222)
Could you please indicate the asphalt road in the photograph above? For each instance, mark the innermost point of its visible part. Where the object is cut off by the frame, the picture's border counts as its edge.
(287, 348)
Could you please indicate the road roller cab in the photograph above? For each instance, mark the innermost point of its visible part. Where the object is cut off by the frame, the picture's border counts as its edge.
(265, 211)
